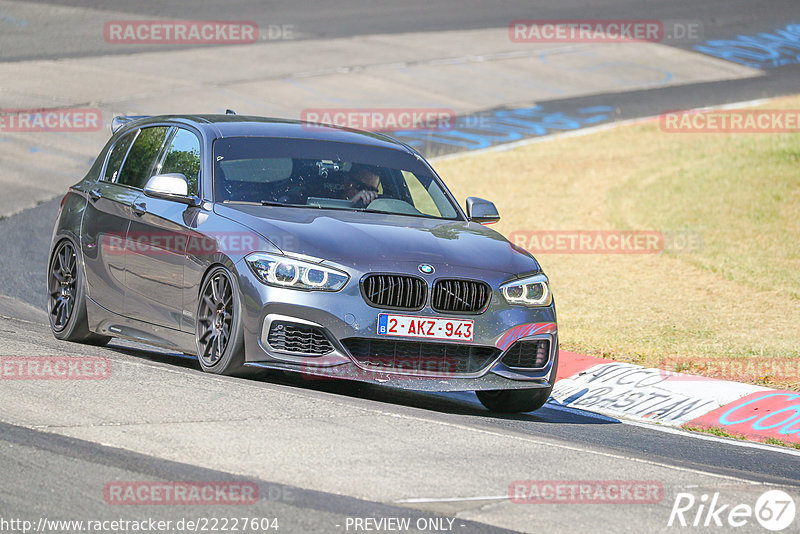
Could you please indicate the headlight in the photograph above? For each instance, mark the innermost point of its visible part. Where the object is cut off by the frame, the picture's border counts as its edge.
(533, 291)
(281, 271)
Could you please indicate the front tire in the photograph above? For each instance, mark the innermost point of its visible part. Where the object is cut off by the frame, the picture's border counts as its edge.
(66, 303)
(219, 332)
(514, 400)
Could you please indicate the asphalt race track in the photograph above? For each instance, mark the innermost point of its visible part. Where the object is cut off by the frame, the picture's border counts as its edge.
(318, 19)
(324, 453)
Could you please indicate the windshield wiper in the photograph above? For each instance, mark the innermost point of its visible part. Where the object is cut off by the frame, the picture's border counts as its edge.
(266, 203)
(337, 208)
(284, 205)
(383, 212)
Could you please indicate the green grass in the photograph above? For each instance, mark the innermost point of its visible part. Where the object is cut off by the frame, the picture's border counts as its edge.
(740, 192)
(715, 432)
(780, 442)
(723, 434)
(736, 297)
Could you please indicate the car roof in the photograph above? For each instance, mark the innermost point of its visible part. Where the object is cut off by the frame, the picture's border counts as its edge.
(252, 126)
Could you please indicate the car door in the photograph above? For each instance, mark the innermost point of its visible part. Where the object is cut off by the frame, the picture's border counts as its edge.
(105, 225)
(158, 239)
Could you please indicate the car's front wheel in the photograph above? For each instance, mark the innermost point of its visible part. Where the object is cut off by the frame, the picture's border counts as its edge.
(219, 337)
(514, 400)
(66, 301)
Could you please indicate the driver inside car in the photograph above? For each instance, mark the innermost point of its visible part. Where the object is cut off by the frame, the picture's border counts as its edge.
(362, 188)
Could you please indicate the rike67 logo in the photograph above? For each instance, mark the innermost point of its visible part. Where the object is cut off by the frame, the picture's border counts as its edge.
(774, 510)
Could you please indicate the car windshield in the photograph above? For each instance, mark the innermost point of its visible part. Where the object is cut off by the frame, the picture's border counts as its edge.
(327, 175)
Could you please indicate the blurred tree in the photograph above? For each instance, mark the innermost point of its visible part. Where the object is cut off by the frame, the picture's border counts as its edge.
(136, 169)
(186, 162)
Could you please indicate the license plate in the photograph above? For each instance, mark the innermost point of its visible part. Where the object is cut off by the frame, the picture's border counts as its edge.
(390, 324)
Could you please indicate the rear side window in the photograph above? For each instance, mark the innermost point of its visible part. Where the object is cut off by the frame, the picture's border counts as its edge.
(116, 157)
(139, 163)
(183, 156)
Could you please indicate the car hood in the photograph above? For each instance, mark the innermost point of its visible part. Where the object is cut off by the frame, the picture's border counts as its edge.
(368, 241)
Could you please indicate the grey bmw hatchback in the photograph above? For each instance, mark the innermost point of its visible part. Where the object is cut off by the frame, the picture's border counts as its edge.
(261, 243)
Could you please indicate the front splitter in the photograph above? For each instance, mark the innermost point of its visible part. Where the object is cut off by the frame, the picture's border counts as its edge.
(488, 381)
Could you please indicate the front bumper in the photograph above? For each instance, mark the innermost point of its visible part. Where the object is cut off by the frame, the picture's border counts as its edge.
(345, 314)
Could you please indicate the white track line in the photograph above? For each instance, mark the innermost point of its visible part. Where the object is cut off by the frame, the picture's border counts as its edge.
(452, 499)
(652, 426)
(687, 433)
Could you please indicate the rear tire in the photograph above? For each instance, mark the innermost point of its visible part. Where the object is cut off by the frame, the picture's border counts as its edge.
(219, 331)
(514, 400)
(66, 302)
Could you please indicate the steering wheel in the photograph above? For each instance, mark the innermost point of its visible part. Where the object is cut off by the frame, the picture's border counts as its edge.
(360, 201)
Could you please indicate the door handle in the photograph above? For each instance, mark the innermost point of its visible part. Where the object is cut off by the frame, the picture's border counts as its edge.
(94, 194)
(139, 208)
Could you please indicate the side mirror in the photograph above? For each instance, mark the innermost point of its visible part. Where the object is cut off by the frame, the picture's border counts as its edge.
(481, 211)
(170, 187)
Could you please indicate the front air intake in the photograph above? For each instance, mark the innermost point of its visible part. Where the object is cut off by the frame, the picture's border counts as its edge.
(528, 354)
(395, 291)
(298, 338)
(420, 357)
(461, 296)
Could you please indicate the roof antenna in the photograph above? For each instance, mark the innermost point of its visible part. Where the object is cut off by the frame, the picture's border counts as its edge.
(230, 112)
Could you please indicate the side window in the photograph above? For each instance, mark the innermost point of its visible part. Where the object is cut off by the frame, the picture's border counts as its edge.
(142, 155)
(117, 155)
(183, 156)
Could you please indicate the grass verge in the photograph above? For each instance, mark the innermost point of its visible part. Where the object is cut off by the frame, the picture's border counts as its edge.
(714, 431)
(729, 308)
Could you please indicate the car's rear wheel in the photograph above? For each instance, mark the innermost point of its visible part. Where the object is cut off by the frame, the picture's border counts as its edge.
(219, 337)
(66, 303)
(514, 400)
